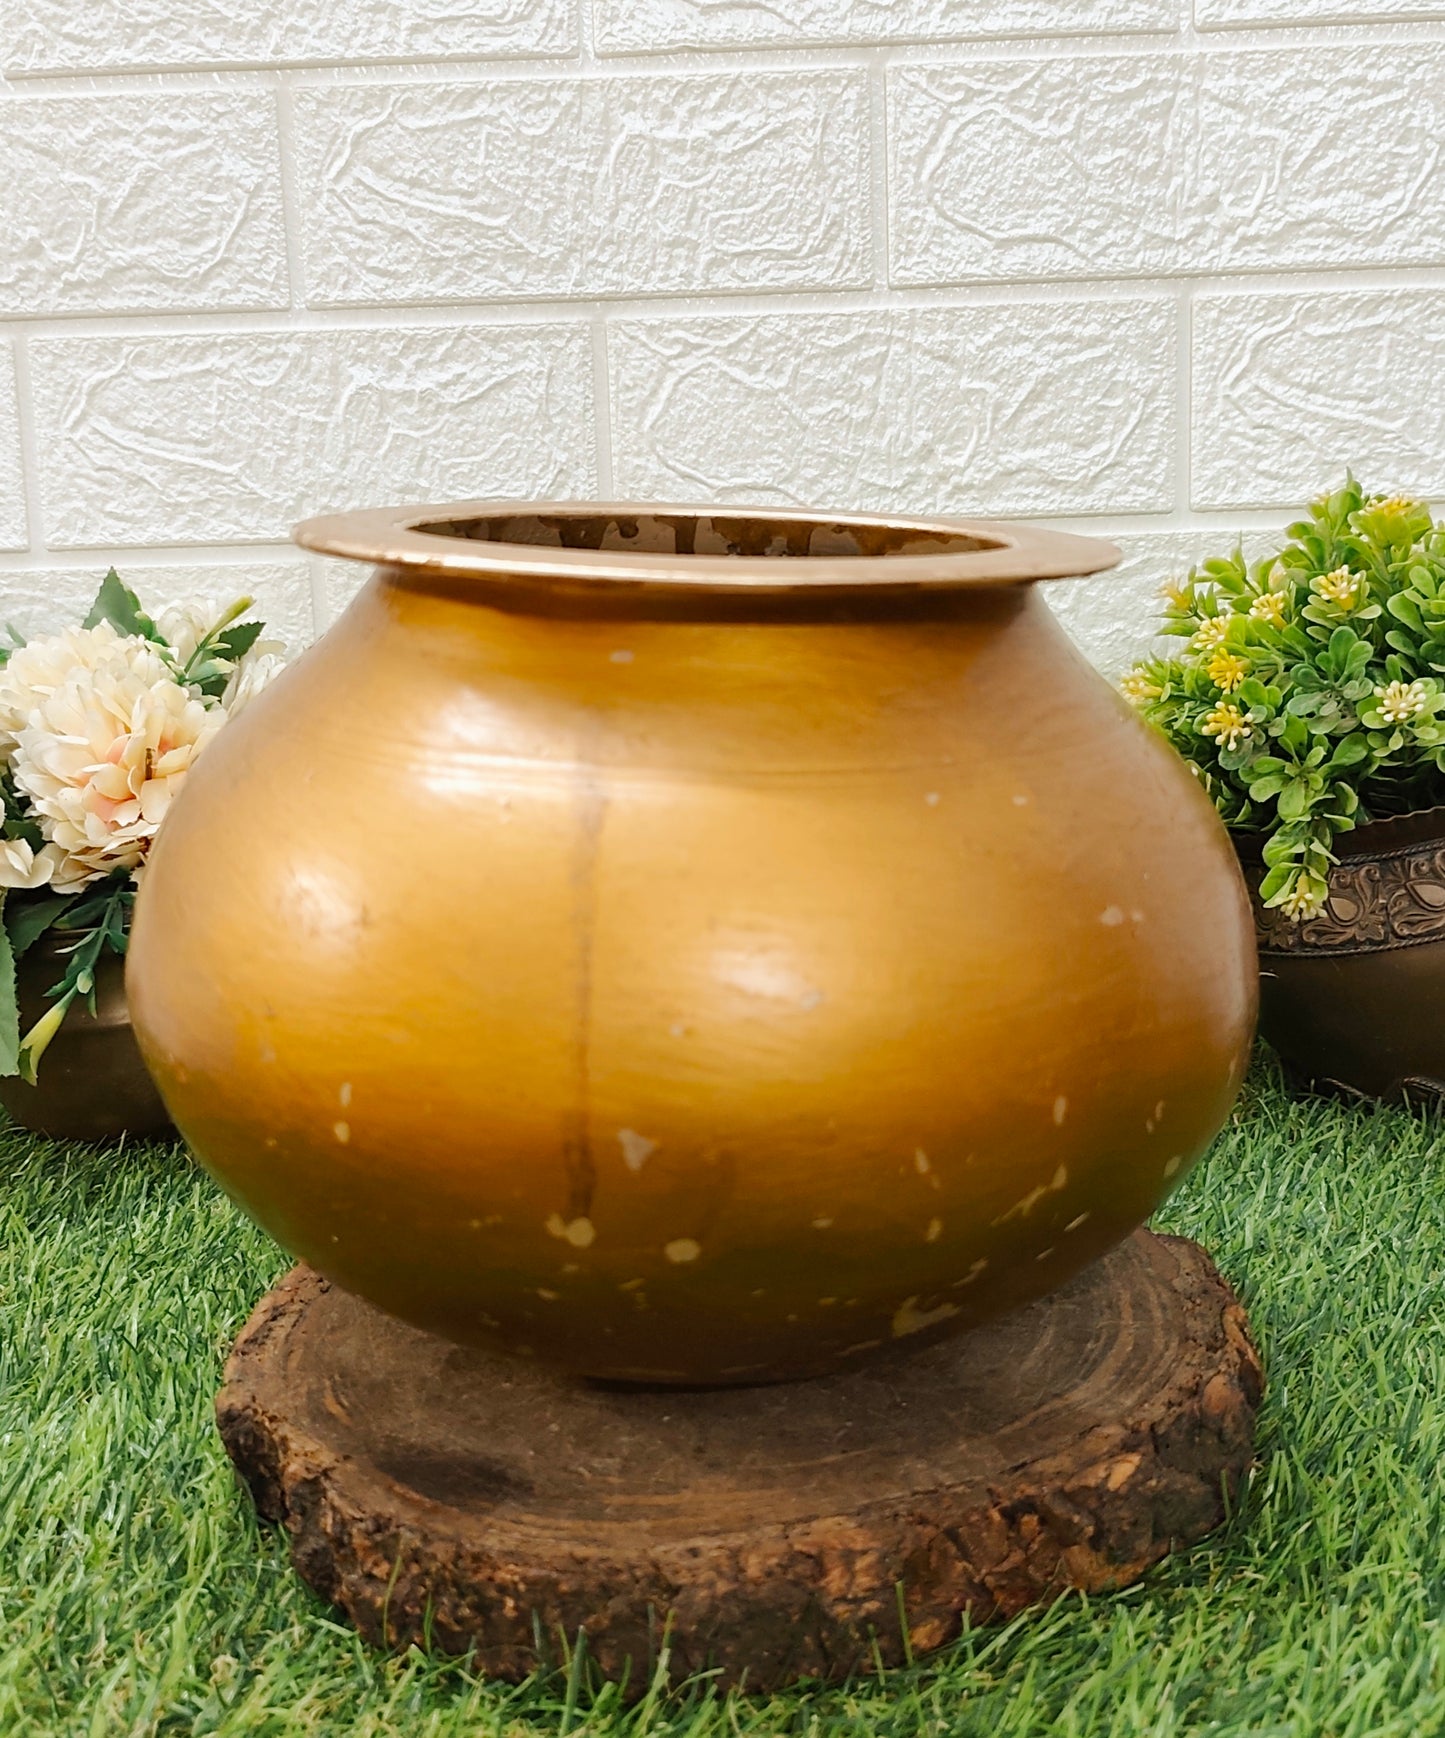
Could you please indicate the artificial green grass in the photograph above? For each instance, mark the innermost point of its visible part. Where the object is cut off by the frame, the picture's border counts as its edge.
(138, 1594)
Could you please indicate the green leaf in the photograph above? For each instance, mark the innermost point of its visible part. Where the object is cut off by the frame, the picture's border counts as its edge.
(238, 640)
(1275, 879)
(1349, 752)
(9, 1007)
(1405, 609)
(1294, 801)
(28, 919)
(117, 604)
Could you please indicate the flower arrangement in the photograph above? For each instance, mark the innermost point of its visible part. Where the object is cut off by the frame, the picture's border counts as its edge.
(1308, 696)
(99, 727)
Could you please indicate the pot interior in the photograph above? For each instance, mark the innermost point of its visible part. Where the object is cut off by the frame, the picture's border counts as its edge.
(708, 534)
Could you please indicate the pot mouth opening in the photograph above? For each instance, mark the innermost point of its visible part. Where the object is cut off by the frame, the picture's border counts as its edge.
(565, 545)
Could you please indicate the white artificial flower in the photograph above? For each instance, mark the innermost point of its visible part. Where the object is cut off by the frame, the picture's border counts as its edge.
(38, 668)
(184, 625)
(23, 868)
(260, 666)
(103, 755)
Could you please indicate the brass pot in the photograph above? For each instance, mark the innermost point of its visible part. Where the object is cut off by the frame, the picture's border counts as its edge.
(91, 1084)
(1354, 999)
(694, 947)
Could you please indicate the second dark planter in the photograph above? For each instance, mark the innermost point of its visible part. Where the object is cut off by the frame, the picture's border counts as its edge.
(1354, 999)
(92, 1084)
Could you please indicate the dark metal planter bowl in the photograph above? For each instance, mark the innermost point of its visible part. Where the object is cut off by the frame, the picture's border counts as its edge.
(92, 1084)
(1354, 999)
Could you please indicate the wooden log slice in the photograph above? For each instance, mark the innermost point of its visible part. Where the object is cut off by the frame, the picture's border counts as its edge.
(768, 1533)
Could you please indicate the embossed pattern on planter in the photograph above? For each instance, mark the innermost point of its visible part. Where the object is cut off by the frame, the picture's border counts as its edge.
(645, 186)
(89, 186)
(881, 409)
(1375, 904)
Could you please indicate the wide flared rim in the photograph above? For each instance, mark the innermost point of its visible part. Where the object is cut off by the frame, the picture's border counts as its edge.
(456, 540)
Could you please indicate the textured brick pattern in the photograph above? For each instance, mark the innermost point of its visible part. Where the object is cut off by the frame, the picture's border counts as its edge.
(1221, 14)
(36, 598)
(1151, 267)
(653, 26)
(565, 188)
(93, 184)
(232, 438)
(1151, 164)
(12, 479)
(115, 35)
(1021, 409)
(1290, 388)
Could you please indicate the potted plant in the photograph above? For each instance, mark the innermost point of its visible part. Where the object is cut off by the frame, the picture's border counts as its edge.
(99, 727)
(1308, 697)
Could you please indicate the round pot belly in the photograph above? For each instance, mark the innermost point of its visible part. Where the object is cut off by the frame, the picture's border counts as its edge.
(694, 992)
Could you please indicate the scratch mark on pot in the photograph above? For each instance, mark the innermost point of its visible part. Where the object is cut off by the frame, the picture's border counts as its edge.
(1061, 1110)
(342, 1131)
(971, 1275)
(620, 656)
(920, 1162)
(934, 1231)
(1074, 1224)
(344, 1096)
(822, 1224)
(1173, 1164)
(682, 1249)
(550, 1296)
(909, 1318)
(1111, 916)
(931, 798)
(1021, 1209)
(590, 815)
(1044, 1254)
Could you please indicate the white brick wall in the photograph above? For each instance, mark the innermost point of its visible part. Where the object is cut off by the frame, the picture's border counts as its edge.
(1154, 268)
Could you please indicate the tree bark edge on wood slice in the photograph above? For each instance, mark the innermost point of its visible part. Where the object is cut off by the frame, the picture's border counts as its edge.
(476, 1503)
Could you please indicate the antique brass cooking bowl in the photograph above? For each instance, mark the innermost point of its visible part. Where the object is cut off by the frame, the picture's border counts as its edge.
(694, 945)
